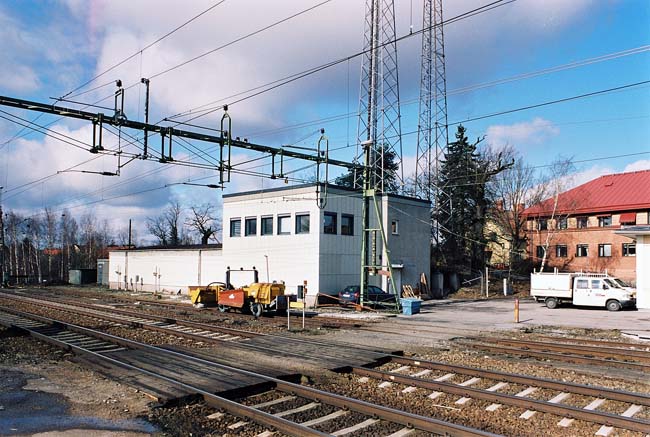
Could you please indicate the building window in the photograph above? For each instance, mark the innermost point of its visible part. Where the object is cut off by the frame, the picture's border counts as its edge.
(347, 224)
(581, 222)
(582, 250)
(539, 252)
(329, 226)
(542, 224)
(235, 227)
(284, 224)
(562, 223)
(302, 223)
(561, 251)
(629, 249)
(267, 226)
(394, 227)
(250, 226)
(604, 221)
(604, 250)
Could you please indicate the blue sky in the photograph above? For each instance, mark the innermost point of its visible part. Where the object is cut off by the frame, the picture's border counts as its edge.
(51, 47)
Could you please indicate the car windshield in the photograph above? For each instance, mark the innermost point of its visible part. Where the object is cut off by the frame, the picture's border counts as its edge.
(622, 283)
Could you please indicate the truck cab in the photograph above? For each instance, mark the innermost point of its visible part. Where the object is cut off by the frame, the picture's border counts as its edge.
(601, 292)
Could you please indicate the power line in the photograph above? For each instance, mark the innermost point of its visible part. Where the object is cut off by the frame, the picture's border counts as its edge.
(552, 102)
(474, 87)
(248, 35)
(523, 108)
(148, 46)
(293, 77)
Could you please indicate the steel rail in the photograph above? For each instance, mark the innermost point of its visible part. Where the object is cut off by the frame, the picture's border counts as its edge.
(389, 414)
(614, 344)
(239, 410)
(580, 389)
(186, 306)
(196, 336)
(197, 325)
(559, 357)
(602, 418)
(574, 349)
(379, 354)
(615, 395)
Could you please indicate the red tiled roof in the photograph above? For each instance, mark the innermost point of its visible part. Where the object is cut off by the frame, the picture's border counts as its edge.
(609, 193)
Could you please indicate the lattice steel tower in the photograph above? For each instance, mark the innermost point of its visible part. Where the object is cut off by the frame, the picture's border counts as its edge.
(432, 125)
(379, 112)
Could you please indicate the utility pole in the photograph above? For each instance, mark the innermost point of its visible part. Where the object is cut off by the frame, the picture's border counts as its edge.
(2, 244)
(129, 233)
(369, 235)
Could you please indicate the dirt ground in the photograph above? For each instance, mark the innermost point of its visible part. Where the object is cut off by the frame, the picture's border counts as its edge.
(42, 392)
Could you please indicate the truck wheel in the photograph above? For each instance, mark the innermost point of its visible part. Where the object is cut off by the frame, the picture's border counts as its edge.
(613, 305)
(222, 308)
(552, 303)
(256, 309)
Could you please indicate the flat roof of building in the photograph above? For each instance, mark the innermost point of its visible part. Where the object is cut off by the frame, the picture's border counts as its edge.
(329, 186)
(177, 247)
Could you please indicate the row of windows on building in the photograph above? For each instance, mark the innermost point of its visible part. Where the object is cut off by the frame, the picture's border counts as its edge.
(283, 224)
(581, 222)
(582, 250)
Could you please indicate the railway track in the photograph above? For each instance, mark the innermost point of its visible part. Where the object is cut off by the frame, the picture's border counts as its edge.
(460, 381)
(162, 365)
(577, 353)
(466, 385)
(180, 307)
(326, 354)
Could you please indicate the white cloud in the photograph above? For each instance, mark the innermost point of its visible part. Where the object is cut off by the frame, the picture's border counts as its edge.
(643, 164)
(521, 135)
(101, 33)
(19, 78)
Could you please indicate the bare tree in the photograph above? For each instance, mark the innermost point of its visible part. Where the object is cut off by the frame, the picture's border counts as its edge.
(204, 221)
(173, 218)
(122, 236)
(514, 190)
(557, 181)
(158, 228)
(167, 227)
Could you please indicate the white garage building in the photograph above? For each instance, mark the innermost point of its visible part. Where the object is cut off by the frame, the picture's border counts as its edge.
(285, 235)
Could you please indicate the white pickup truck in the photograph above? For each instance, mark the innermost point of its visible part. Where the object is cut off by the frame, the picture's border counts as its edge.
(588, 289)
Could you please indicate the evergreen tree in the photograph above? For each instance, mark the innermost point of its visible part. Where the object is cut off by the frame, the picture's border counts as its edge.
(391, 166)
(462, 202)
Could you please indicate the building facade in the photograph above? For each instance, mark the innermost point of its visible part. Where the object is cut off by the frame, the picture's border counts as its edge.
(578, 230)
(286, 235)
(290, 238)
(640, 235)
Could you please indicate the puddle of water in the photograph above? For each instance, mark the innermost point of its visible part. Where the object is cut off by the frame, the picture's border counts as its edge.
(28, 412)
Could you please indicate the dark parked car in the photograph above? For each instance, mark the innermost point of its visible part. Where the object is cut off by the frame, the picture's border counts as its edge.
(376, 295)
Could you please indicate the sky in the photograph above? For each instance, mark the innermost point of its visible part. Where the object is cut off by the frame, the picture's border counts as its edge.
(523, 53)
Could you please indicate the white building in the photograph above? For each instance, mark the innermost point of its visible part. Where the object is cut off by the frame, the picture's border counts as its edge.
(285, 235)
(641, 234)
